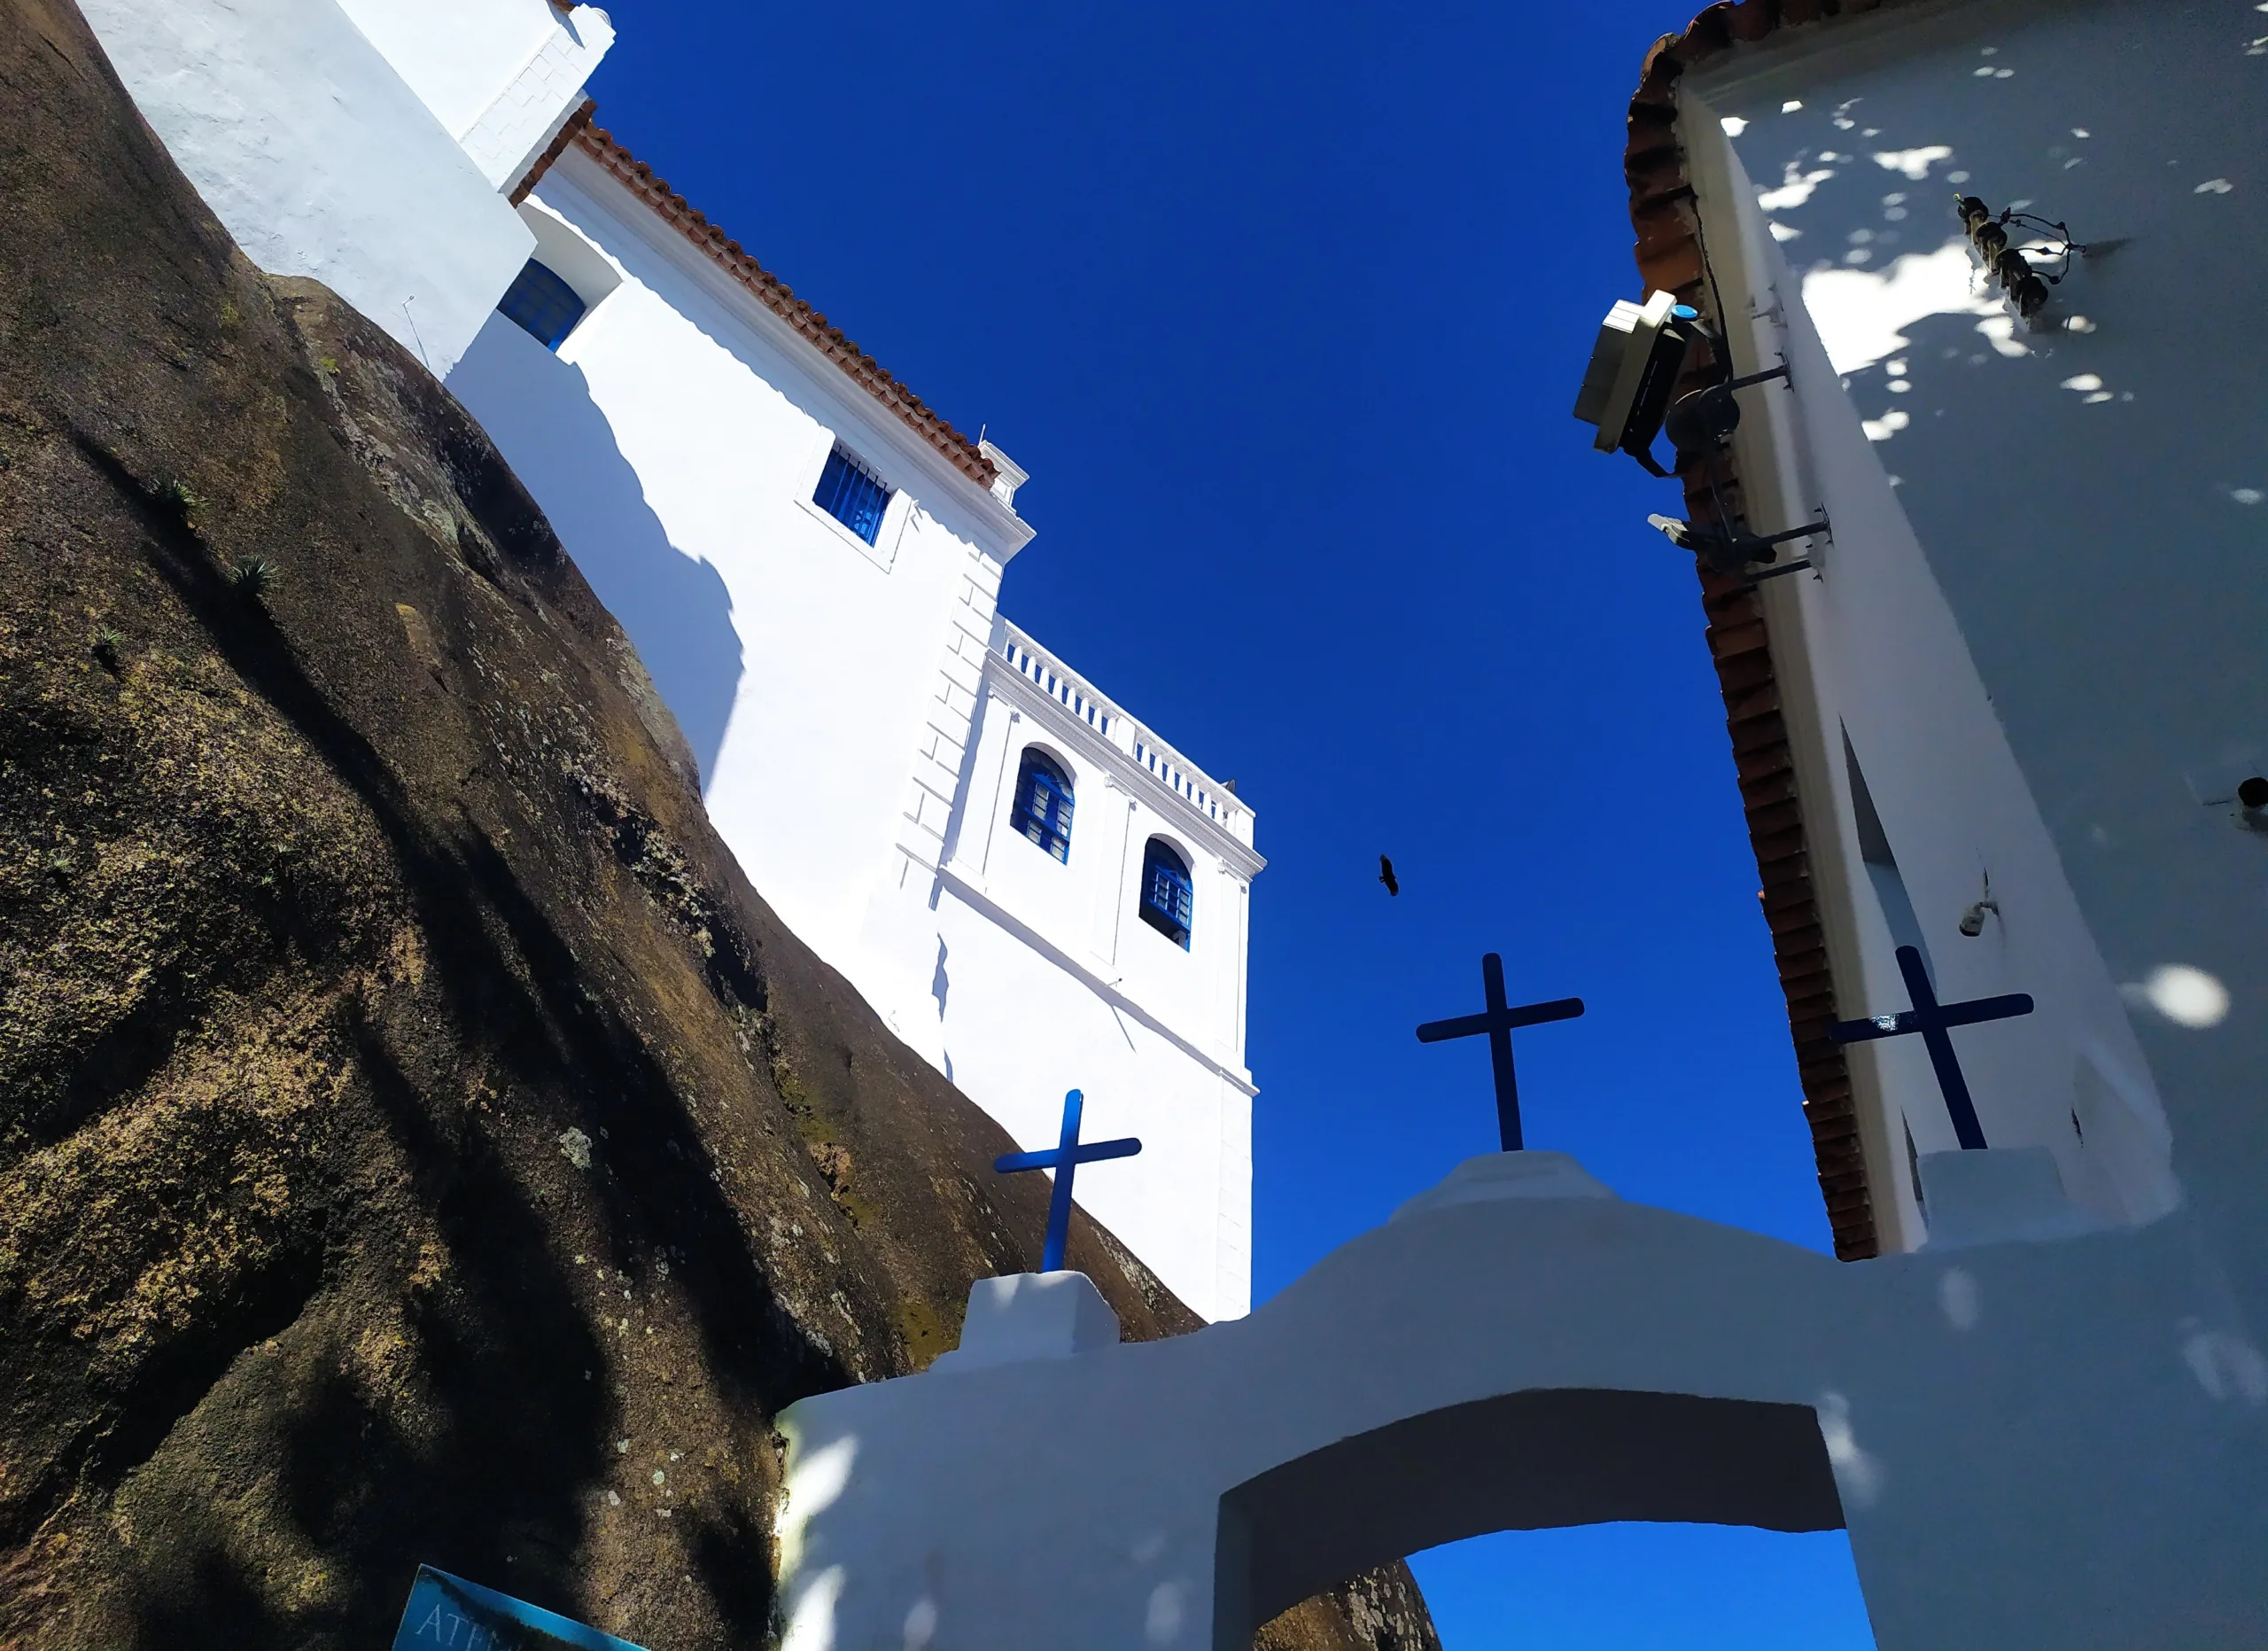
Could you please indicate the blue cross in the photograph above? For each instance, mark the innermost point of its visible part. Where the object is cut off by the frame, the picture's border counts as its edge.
(1932, 1019)
(1498, 1021)
(1065, 1159)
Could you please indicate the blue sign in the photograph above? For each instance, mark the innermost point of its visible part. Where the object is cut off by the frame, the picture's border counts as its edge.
(450, 1614)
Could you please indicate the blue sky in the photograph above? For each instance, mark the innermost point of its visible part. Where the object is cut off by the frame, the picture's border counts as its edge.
(1284, 307)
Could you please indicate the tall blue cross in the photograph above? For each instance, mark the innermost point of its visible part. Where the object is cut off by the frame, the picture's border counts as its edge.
(1499, 1020)
(1065, 1159)
(1932, 1019)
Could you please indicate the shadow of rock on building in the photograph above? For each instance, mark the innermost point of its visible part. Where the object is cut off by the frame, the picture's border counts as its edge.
(673, 607)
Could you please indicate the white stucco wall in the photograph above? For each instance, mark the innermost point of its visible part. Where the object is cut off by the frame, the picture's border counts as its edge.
(1018, 1029)
(499, 75)
(456, 55)
(2036, 1444)
(1036, 976)
(1880, 658)
(2039, 617)
(831, 691)
(320, 160)
(724, 423)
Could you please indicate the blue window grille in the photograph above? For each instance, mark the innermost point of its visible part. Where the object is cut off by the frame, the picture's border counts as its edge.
(1166, 896)
(1043, 811)
(853, 495)
(543, 304)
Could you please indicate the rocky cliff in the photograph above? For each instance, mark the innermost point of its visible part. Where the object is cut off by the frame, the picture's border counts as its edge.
(417, 1142)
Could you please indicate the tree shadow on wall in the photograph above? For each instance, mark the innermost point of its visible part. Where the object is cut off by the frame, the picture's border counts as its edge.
(674, 607)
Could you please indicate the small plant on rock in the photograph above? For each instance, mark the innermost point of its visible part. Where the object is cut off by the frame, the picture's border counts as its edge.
(108, 647)
(253, 576)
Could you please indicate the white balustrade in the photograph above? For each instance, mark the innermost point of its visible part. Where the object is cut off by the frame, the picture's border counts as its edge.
(1077, 694)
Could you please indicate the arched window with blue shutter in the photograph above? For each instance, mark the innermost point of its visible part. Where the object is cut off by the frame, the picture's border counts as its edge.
(1168, 896)
(1043, 811)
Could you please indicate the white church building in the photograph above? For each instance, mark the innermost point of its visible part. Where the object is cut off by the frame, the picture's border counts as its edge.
(1032, 888)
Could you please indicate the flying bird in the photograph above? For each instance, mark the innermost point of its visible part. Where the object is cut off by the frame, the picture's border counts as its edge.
(1386, 875)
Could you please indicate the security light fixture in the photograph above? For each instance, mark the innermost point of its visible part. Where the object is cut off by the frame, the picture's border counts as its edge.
(1733, 552)
(1972, 921)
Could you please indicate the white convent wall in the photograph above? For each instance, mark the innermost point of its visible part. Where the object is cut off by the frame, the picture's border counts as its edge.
(1036, 976)
(2040, 616)
(500, 75)
(675, 442)
(320, 160)
(830, 692)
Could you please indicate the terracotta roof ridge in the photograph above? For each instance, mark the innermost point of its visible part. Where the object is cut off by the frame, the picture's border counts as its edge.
(1669, 258)
(776, 296)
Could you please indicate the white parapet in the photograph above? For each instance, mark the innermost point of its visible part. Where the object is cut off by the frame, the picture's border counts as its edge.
(1031, 1315)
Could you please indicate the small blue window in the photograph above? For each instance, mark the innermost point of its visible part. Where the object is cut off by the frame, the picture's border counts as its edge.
(543, 304)
(1043, 811)
(1166, 896)
(853, 495)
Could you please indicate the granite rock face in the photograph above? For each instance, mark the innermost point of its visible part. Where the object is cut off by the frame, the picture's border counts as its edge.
(1379, 1611)
(418, 1141)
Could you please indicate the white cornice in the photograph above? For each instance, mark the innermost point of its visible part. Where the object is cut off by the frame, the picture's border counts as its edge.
(975, 897)
(1029, 697)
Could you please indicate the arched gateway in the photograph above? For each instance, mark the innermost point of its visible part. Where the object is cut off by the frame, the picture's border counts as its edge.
(2041, 1439)
(1520, 1462)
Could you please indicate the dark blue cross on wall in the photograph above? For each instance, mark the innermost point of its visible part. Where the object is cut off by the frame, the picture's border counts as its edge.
(1932, 1019)
(1499, 1020)
(1065, 1160)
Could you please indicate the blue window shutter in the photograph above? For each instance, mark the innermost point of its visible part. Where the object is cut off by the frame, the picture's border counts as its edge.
(852, 495)
(1043, 806)
(1169, 897)
(542, 304)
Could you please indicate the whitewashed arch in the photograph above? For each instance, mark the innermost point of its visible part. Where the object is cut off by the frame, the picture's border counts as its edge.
(1518, 1347)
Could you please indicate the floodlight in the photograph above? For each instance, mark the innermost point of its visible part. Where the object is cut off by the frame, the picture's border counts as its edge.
(1634, 367)
(1634, 372)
